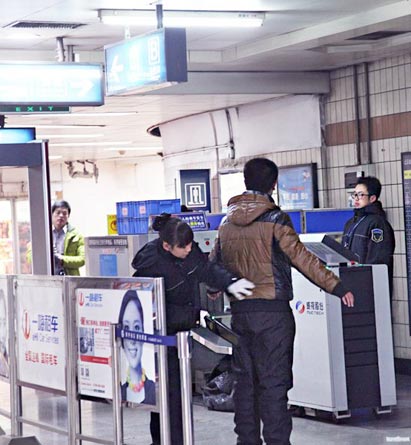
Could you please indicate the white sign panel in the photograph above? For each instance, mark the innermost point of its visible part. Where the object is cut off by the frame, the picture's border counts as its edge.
(196, 194)
(4, 333)
(97, 309)
(41, 336)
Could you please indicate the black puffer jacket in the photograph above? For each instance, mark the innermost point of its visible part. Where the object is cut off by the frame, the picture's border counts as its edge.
(370, 236)
(182, 278)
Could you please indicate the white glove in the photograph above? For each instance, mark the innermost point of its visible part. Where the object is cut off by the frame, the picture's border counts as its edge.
(203, 314)
(241, 288)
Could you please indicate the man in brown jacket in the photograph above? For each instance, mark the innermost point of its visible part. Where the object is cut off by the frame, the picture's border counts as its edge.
(257, 241)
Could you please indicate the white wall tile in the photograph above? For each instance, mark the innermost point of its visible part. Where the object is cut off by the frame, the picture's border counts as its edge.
(388, 79)
(401, 76)
(395, 78)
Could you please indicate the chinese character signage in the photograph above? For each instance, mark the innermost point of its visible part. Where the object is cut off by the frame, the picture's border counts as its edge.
(406, 187)
(60, 84)
(41, 335)
(149, 61)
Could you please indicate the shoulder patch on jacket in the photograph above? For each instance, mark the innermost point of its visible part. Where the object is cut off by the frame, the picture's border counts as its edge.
(377, 235)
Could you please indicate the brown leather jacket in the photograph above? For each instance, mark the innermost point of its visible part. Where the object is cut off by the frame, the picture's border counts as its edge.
(257, 241)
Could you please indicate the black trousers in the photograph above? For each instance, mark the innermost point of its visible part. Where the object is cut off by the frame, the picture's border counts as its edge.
(262, 364)
(174, 403)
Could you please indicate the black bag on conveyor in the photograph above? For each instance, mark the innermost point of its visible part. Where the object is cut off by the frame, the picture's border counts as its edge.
(218, 390)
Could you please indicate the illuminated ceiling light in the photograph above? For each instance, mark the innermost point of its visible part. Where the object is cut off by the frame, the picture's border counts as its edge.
(91, 144)
(103, 113)
(133, 148)
(70, 136)
(85, 114)
(182, 19)
(66, 126)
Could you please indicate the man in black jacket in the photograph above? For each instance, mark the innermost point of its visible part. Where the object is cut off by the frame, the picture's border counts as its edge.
(368, 234)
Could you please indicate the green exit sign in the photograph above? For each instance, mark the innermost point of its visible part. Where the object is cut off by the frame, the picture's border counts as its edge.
(32, 109)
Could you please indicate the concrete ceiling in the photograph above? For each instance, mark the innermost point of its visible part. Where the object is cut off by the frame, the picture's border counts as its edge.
(297, 35)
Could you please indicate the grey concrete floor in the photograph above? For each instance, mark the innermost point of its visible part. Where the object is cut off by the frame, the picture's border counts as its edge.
(212, 427)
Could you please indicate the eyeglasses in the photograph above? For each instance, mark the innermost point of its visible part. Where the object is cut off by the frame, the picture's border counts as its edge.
(359, 195)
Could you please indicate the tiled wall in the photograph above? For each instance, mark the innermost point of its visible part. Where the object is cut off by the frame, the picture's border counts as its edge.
(390, 130)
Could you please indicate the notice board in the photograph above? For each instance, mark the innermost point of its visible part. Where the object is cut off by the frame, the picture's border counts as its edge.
(406, 187)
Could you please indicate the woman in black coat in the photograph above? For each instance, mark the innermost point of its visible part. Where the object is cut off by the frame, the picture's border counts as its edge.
(179, 260)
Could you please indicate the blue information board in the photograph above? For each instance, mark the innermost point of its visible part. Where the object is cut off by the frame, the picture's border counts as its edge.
(144, 62)
(17, 135)
(67, 84)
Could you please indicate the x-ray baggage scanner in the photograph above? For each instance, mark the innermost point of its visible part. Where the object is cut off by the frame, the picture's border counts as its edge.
(112, 255)
(343, 357)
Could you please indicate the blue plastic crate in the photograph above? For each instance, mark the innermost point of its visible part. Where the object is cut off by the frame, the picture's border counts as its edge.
(125, 226)
(145, 208)
(125, 209)
(140, 225)
(169, 206)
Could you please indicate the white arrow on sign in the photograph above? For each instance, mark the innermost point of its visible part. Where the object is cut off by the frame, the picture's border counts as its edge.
(84, 86)
(115, 69)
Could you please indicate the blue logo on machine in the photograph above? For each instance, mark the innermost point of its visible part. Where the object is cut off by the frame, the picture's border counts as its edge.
(377, 235)
(300, 307)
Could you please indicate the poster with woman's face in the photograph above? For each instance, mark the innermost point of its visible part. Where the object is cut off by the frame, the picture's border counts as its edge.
(4, 335)
(97, 309)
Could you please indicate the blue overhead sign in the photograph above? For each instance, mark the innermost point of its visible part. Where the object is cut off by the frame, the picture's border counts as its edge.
(68, 84)
(17, 135)
(153, 60)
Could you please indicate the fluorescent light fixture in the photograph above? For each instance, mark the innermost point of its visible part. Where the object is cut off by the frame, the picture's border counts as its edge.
(54, 157)
(91, 144)
(134, 149)
(102, 114)
(70, 136)
(85, 114)
(21, 36)
(182, 19)
(66, 126)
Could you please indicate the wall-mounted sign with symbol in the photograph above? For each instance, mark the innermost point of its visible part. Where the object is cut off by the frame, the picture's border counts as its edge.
(145, 62)
(195, 189)
(196, 194)
(51, 84)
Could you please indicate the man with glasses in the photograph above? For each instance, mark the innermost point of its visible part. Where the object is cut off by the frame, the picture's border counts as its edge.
(68, 243)
(368, 234)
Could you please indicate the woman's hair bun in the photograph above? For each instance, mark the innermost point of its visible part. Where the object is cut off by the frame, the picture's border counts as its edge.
(160, 221)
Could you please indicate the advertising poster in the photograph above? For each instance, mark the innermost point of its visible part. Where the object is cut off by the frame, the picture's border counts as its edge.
(97, 309)
(297, 187)
(4, 332)
(41, 336)
(406, 188)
